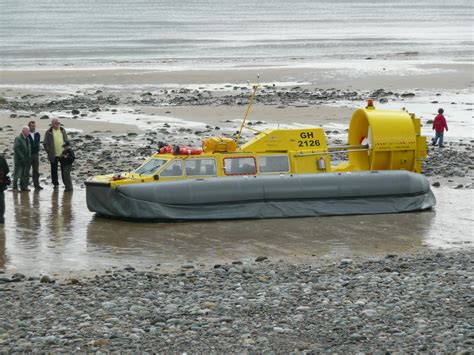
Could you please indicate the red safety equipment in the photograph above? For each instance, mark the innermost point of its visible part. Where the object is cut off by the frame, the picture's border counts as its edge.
(181, 150)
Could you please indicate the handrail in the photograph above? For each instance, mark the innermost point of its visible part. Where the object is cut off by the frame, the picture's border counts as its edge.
(255, 87)
(328, 152)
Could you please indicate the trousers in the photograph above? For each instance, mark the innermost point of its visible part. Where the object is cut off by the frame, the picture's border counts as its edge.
(2, 205)
(66, 176)
(20, 172)
(34, 166)
(54, 172)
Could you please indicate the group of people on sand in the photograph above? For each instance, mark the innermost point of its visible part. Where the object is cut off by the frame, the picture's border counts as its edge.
(26, 150)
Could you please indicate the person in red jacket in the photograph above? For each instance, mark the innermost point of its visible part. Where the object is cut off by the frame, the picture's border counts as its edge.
(439, 125)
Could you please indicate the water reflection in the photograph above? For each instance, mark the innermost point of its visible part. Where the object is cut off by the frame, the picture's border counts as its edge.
(52, 231)
(3, 256)
(293, 239)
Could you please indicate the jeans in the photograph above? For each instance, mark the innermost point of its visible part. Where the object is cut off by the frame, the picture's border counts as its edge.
(438, 137)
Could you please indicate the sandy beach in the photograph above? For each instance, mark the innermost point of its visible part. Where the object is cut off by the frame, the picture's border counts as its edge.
(145, 106)
(116, 117)
(124, 77)
(359, 75)
(51, 246)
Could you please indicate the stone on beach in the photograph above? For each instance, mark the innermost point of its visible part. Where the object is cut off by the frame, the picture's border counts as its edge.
(329, 308)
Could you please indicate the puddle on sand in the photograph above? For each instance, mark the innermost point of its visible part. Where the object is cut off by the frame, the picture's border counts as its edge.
(53, 232)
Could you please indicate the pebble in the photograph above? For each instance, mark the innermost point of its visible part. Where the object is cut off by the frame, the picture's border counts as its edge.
(279, 307)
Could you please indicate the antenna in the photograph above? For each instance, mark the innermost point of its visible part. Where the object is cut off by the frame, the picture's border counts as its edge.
(255, 88)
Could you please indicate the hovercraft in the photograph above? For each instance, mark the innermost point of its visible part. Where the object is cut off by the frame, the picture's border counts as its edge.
(287, 172)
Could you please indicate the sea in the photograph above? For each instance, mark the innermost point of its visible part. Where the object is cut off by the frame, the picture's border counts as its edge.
(229, 33)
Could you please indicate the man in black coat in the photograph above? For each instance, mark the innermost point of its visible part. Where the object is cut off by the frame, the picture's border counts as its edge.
(34, 138)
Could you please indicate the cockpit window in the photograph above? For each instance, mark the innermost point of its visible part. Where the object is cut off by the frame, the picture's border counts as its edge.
(150, 167)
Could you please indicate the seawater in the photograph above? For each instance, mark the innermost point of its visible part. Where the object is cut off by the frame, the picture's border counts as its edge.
(52, 232)
(227, 32)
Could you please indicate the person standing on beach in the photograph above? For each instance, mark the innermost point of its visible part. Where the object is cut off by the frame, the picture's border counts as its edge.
(34, 138)
(4, 182)
(439, 125)
(21, 159)
(54, 139)
(67, 158)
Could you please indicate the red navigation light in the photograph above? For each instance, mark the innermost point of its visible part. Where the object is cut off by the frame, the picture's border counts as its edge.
(370, 103)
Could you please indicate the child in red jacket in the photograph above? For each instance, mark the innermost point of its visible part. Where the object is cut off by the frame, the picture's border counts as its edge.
(439, 125)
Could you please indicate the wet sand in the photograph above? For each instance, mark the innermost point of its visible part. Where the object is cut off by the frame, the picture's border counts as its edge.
(52, 232)
(363, 75)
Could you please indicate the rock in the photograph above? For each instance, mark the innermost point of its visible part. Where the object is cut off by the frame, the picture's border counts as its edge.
(459, 186)
(436, 184)
(75, 112)
(13, 115)
(129, 268)
(74, 281)
(346, 262)
(356, 337)
(261, 258)
(18, 277)
(44, 117)
(51, 339)
(407, 95)
(46, 279)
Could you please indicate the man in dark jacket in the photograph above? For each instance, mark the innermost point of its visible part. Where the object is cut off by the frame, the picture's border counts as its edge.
(34, 138)
(21, 159)
(54, 139)
(4, 182)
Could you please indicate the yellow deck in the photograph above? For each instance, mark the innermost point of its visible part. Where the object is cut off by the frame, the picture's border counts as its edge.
(377, 140)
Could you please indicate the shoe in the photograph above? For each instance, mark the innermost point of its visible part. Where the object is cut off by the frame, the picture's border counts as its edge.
(38, 188)
(25, 190)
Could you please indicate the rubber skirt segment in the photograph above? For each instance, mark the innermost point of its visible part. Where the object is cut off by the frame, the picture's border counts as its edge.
(265, 197)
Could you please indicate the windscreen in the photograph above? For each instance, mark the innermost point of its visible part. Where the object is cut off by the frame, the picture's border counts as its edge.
(150, 167)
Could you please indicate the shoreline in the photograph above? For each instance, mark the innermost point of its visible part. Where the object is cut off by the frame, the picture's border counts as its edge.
(360, 75)
(115, 131)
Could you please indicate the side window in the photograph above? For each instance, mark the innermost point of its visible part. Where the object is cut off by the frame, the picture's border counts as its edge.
(200, 167)
(240, 166)
(273, 164)
(175, 168)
